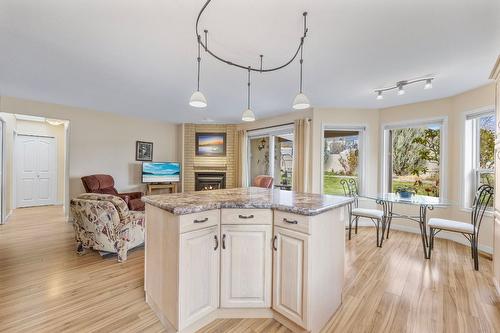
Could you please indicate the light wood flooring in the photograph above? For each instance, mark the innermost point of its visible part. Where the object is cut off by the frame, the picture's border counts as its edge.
(46, 287)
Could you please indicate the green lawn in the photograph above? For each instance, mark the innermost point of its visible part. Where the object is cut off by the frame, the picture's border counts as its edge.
(331, 184)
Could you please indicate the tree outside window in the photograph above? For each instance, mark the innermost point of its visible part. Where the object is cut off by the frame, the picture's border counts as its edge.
(416, 156)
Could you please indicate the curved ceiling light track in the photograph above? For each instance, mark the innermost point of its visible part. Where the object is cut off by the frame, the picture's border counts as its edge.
(198, 99)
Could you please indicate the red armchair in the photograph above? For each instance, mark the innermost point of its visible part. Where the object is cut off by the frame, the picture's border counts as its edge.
(263, 181)
(105, 184)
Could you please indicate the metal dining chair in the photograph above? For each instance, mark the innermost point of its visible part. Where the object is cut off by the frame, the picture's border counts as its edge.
(470, 230)
(350, 188)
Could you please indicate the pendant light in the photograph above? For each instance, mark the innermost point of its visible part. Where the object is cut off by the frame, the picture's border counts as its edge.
(197, 99)
(301, 101)
(248, 114)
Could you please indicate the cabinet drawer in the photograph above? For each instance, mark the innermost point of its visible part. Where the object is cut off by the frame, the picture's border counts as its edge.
(198, 221)
(246, 216)
(292, 221)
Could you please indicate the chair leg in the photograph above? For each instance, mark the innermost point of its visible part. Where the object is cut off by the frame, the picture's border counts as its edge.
(379, 243)
(350, 227)
(431, 245)
(356, 228)
(388, 227)
(472, 246)
(476, 256)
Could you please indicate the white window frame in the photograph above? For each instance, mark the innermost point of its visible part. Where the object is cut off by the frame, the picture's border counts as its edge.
(268, 133)
(361, 149)
(385, 155)
(469, 155)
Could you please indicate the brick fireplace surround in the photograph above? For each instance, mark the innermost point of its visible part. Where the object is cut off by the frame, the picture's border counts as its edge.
(192, 164)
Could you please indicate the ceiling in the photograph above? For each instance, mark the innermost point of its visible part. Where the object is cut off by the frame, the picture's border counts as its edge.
(139, 57)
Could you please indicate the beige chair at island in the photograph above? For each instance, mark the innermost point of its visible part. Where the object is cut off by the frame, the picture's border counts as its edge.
(244, 253)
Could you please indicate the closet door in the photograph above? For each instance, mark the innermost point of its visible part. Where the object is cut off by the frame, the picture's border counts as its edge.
(35, 160)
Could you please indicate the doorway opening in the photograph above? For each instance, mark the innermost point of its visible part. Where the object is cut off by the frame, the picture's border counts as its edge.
(36, 156)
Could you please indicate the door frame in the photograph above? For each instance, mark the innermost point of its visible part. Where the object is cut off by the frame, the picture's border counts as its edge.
(15, 165)
(3, 179)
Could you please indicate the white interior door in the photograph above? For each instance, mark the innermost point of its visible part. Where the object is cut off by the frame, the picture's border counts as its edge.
(36, 162)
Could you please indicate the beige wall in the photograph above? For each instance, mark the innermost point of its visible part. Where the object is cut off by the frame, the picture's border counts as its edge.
(453, 109)
(101, 142)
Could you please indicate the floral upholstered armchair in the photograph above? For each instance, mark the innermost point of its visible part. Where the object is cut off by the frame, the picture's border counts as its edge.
(103, 222)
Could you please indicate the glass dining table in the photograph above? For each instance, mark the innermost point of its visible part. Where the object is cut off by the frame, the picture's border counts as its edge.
(425, 203)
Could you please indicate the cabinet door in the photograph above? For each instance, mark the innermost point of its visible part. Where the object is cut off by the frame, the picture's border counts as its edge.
(246, 266)
(199, 274)
(290, 275)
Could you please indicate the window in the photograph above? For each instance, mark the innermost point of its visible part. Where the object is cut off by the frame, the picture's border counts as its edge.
(479, 153)
(271, 153)
(413, 158)
(341, 158)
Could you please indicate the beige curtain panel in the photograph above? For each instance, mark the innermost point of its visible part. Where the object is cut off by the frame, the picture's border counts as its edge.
(301, 155)
(240, 142)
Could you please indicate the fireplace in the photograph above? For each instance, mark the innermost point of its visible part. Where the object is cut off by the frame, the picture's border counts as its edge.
(205, 181)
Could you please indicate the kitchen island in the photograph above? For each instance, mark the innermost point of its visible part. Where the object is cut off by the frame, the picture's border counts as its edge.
(244, 253)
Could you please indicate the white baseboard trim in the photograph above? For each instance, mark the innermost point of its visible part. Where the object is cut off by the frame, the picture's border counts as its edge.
(7, 217)
(445, 235)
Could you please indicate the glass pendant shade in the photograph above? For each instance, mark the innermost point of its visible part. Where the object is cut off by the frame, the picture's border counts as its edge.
(248, 115)
(301, 102)
(198, 100)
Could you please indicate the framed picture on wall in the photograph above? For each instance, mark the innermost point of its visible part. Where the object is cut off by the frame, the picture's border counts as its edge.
(143, 151)
(210, 144)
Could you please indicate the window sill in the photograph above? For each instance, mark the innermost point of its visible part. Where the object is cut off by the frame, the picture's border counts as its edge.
(488, 212)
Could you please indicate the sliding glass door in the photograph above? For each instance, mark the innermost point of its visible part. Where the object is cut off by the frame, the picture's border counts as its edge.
(271, 153)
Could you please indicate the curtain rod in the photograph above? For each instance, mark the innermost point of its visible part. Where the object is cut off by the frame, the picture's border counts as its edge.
(266, 127)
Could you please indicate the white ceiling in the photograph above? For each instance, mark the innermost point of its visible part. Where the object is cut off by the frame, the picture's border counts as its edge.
(139, 57)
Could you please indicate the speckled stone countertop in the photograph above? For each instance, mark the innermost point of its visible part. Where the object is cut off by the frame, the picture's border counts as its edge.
(251, 197)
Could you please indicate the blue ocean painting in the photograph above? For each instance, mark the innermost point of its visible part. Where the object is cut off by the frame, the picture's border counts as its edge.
(160, 172)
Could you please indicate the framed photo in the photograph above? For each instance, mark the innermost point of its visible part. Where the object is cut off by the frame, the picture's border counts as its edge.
(210, 144)
(143, 151)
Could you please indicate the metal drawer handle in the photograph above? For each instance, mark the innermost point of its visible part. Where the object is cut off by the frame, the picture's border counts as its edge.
(201, 221)
(216, 243)
(246, 216)
(290, 221)
(224, 241)
(274, 243)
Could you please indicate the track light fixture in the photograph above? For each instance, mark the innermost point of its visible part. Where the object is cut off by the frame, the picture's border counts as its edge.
(401, 84)
(198, 100)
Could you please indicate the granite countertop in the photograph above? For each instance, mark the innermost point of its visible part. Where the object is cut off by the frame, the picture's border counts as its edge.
(251, 197)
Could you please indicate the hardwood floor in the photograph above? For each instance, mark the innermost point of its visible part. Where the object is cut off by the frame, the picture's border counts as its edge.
(46, 287)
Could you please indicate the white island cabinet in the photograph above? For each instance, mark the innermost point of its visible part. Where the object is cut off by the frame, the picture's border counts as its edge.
(244, 253)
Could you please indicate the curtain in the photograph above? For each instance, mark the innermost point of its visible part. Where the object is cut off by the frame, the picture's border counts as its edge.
(301, 161)
(240, 144)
